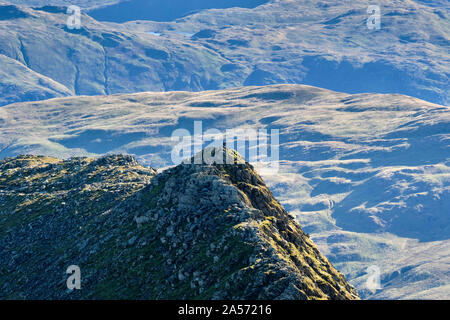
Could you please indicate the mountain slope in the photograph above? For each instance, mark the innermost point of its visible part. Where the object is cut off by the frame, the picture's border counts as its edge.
(366, 175)
(325, 44)
(103, 58)
(18, 83)
(192, 231)
(85, 4)
(163, 10)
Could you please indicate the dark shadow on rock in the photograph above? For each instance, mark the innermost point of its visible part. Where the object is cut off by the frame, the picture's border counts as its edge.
(99, 141)
(379, 76)
(164, 10)
(10, 12)
(261, 77)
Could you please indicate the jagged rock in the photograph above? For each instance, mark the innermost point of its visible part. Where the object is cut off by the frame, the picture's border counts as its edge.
(203, 231)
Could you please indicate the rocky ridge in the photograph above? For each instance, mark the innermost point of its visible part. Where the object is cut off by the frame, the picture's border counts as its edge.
(191, 232)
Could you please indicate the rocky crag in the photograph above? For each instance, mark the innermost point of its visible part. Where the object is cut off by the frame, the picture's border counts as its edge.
(194, 231)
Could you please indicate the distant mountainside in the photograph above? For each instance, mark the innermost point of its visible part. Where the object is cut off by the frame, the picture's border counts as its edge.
(191, 232)
(366, 172)
(101, 58)
(320, 43)
(367, 175)
(163, 10)
(85, 4)
(19, 83)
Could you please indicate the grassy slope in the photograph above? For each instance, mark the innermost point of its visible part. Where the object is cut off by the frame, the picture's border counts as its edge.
(353, 166)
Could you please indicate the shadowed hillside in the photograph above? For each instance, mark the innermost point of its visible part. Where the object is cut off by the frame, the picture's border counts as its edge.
(164, 10)
(325, 44)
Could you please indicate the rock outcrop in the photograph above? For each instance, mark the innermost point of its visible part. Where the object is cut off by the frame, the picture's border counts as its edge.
(194, 231)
